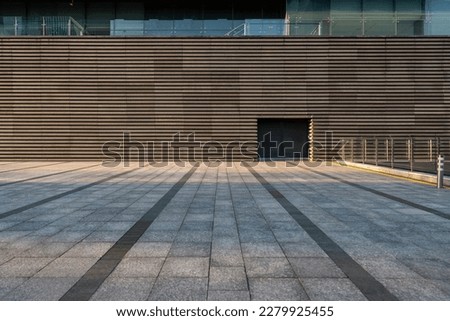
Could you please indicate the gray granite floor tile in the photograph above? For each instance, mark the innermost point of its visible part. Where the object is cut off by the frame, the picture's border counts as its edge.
(303, 249)
(158, 236)
(138, 268)
(227, 279)
(47, 250)
(179, 289)
(429, 268)
(191, 249)
(124, 289)
(276, 289)
(228, 295)
(268, 267)
(88, 249)
(315, 268)
(67, 268)
(9, 284)
(187, 267)
(194, 236)
(331, 289)
(387, 268)
(226, 257)
(41, 289)
(150, 249)
(415, 290)
(261, 250)
(23, 267)
(443, 285)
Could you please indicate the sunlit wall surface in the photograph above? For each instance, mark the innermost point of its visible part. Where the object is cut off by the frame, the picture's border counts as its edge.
(225, 17)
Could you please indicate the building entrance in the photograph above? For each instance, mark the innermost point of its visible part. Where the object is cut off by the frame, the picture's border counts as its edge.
(283, 138)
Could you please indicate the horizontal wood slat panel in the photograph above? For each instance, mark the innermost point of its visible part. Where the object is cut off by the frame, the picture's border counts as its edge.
(63, 98)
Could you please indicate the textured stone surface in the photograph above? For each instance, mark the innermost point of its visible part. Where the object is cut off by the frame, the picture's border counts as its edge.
(124, 289)
(276, 289)
(185, 267)
(331, 289)
(222, 236)
(179, 289)
(227, 278)
(228, 296)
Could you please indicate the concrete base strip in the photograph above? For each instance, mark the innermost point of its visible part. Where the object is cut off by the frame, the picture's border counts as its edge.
(97, 274)
(48, 175)
(58, 196)
(371, 288)
(402, 173)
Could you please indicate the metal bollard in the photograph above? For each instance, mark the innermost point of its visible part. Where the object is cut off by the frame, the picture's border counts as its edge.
(440, 171)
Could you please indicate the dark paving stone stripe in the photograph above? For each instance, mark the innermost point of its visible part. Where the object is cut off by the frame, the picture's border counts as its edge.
(48, 175)
(89, 283)
(24, 168)
(391, 197)
(372, 289)
(58, 196)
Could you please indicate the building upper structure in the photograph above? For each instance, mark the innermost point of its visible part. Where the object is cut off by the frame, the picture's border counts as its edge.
(178, 18)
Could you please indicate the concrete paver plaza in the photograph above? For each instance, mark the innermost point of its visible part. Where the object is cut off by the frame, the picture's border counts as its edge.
(81, 231)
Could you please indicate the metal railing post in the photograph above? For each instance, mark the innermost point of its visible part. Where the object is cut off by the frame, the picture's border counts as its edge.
(43, 26)
(16, 27)
(386, 143)
(352, 156)
(392, 152)
(430, 150)
(69, 27)
(440, 171)
(344, 150)
(437, 151)
(438, 146)
(411, 153)
(376, 151)
(363, 149)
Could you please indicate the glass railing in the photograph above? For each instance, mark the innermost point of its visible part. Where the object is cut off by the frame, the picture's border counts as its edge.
(191, 27)
(40, 26)
(336, 25)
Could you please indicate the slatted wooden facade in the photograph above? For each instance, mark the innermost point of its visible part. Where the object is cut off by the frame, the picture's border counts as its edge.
(62, 98)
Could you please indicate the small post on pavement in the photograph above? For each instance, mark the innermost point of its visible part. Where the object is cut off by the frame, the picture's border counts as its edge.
(440, 171)
(411, 153)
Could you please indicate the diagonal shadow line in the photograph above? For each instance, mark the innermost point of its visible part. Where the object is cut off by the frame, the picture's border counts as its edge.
(48, 175)
(31, 167)
(58, 196)
(97, 274)
(388, 196)
(370, 287)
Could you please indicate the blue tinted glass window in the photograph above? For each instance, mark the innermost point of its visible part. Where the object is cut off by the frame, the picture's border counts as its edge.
(438, 14)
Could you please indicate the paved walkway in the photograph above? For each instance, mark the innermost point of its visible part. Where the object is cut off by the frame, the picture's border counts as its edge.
(80, 231)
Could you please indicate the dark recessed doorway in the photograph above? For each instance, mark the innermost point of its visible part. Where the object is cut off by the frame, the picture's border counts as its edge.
(283, 139)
